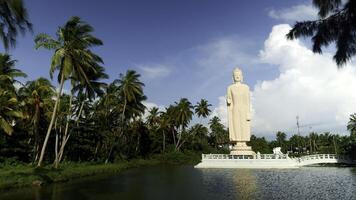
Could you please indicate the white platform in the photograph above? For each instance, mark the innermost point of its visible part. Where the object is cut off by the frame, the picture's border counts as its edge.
(267, 161)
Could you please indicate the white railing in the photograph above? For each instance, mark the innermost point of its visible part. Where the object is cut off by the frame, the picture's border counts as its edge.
(271, 156)
(283, 158)
(319, 157)
(323, 157)
(239, 157)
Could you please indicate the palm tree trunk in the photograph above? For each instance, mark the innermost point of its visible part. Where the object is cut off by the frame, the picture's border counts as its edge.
(138, 143)
(80, 112)
(51, 123)
(122, 131)
(56, 152)
(66, 135)
(335, 149)
(179, 138)
(107, 159)
(36, 142)
(174, 137)
(96, 151)
(164, 141)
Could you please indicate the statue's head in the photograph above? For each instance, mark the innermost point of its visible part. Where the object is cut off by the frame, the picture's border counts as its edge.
(237, 75)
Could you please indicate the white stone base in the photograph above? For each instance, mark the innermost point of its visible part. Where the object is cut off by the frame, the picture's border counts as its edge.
(241, 148)
(249, 163)
(268, 161)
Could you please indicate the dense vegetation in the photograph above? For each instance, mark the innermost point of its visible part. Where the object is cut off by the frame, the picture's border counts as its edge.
(313, 143)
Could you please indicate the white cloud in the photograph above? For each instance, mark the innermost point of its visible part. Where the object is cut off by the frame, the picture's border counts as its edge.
(309, 85)
(155, 71)
(295, 13)
(216, 60)
(149, 106)
(221, 111)
(224, 52)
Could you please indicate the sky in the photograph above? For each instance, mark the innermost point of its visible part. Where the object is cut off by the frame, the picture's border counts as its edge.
(189, 49)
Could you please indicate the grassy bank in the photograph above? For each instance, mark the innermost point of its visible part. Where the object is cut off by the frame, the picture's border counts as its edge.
(20, 175)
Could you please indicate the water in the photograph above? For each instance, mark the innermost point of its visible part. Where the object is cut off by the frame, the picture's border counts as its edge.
(168, 182)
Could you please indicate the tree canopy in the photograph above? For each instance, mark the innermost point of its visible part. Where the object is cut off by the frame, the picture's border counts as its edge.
(336, 24)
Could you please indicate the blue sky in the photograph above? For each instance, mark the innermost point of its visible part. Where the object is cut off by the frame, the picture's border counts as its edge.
(181, 48)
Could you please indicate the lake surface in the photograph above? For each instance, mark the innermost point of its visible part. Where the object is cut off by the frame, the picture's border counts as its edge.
(185, 182)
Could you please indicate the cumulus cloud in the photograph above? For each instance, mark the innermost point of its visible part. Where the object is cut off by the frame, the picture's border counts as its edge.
(309, 86)
(155, 71)
(221, 111)
(295, 13)
(149, 106)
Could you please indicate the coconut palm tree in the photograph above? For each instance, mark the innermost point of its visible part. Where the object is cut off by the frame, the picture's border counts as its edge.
(130, 89)
(9, 111)
(218, 132)
(164, 125)
(14, 19)
(8, 72)
(72, 58)
(87, 90)
(183, 114)
(153, 116)
(37, 96)
(202, 108)
(336, 23)
(130, 94)
(281, 139)
(351, 125)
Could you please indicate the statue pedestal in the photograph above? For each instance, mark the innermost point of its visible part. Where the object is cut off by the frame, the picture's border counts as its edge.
(241, 148)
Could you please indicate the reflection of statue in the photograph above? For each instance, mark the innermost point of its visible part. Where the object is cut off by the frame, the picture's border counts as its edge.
(245, 184)
(238, 102)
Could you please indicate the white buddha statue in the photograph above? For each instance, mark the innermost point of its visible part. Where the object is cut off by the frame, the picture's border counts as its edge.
(239, 115)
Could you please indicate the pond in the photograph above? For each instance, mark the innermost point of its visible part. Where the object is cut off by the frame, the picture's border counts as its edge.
(185, 182)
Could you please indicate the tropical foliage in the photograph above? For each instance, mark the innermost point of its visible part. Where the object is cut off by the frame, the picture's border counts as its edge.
(336, 24)
(14, 19)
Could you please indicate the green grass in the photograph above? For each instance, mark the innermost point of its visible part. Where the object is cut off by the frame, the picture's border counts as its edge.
(20, 175)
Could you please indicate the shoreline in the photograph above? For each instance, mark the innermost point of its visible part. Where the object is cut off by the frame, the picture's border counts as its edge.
(19, 176)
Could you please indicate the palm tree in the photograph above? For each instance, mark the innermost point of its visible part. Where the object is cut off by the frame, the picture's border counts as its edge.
(72, 58)
(281, 139)
(336, 23)
(8, 72)
(183, 114)
(130, 89)
(87, 90)
(351, 125)
(153, 117)
(9, 111)
(164, 124)
(14, 19)
(202, 108)
(130, 94)
(37, 96)
(9, 108)
(218, 133)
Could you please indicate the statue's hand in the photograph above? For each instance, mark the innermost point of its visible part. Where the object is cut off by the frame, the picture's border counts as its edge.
(248, 117)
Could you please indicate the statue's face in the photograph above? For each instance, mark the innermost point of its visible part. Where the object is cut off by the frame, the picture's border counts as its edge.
(237, 76)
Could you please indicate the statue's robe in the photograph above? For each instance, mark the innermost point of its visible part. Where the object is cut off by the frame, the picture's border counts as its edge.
(238, 101)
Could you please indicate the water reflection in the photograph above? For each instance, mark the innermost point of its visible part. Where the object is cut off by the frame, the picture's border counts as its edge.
(167, 182)
(245, 183)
